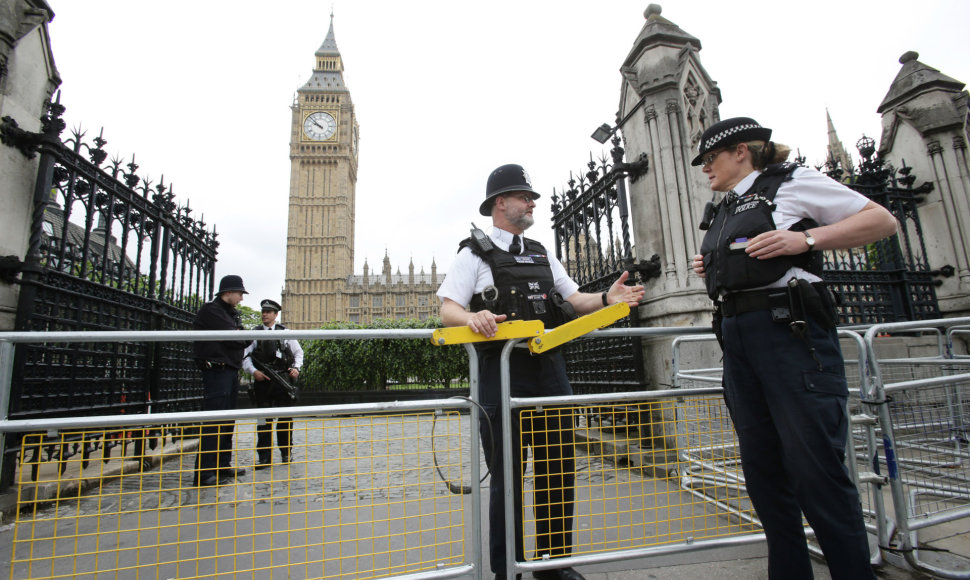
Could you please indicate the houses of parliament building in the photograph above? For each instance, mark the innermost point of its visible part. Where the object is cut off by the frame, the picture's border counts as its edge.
(321, 286)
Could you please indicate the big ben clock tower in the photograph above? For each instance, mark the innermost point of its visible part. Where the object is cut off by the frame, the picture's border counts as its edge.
(323, 177)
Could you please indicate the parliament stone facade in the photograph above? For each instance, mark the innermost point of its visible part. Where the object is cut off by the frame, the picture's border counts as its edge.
(321, 286)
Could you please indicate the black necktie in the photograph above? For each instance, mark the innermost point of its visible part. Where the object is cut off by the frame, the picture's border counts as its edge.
(516, 246)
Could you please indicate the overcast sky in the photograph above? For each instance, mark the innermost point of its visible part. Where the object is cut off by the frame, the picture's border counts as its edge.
(444, 92)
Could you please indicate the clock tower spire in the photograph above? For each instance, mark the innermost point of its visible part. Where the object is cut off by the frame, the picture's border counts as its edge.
(323, 178)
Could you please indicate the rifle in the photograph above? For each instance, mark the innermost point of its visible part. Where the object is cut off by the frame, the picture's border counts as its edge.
(277, 379)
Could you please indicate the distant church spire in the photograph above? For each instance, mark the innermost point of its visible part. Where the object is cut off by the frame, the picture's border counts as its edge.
(836, 152)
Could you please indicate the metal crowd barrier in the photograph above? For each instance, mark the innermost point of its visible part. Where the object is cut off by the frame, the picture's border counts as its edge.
(362, 497)
(863, 472)
(657, 473)
(923, 405)
(908, 450)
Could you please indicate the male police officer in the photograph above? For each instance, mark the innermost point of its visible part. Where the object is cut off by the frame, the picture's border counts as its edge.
(219, 362)
(284, 358)
(507, 276)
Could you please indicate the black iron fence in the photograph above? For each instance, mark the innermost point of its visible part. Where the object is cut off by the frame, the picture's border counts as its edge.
(592, 235)
(108, 250)
(889, 280)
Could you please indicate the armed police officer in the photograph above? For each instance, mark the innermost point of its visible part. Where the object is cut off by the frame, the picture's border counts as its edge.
(219, 362)
(505, 276)
(275, 366)
(784, 376)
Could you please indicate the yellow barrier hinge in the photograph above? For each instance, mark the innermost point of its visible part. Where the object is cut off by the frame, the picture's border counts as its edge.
(576, 328)
(506, 330)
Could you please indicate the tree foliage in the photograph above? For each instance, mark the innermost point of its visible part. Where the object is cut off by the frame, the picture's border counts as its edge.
(250, 317)
(371, 364)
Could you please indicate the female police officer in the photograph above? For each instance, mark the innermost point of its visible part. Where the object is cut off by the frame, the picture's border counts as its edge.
(784, 380)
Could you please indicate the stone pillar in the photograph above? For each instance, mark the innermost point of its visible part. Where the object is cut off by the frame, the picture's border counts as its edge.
(28, 77)
(667, 100)
(924, 124)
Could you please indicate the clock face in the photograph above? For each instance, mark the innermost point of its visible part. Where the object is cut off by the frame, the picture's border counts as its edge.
(319, 126)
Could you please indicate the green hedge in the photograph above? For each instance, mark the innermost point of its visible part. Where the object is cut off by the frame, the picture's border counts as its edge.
(352, 365)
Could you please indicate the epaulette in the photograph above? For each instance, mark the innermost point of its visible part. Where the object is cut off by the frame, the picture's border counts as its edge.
(783, 168)
(472, 245)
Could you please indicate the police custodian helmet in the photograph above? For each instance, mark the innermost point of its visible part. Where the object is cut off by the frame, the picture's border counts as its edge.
(505, 179)
(231, 283)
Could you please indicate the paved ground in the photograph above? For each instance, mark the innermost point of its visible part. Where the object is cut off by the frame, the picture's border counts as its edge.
(747, 562)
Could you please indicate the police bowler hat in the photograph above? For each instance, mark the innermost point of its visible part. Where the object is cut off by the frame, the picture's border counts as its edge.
(231, 283)
(730, 132)
(505, 179)
(270, 305)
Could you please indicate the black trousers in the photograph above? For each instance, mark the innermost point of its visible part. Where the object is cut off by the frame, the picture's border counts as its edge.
(215, 441)
(791, 420)
(266, 394)
(549, 434)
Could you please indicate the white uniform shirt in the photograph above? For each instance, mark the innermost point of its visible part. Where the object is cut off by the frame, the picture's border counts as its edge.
(808, 194)
(469, 274)
(295, 348)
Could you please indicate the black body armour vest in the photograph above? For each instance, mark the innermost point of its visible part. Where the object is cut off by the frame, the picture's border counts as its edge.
(727, 268)
(275, 353)
(524, 288)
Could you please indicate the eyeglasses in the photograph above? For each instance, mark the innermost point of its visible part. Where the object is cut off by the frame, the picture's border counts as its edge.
(526, 197)
(709, 158)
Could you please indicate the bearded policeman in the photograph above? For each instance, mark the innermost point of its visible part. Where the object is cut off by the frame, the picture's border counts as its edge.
(505, 276)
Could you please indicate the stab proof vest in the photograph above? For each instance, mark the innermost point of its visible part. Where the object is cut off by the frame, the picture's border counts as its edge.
(523, 287)
(275, 353)
(727, 268)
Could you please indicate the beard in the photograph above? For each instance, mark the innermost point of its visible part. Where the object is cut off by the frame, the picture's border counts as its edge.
(519, 218)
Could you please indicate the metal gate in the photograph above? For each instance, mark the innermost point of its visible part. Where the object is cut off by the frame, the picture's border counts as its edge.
(889, 280)
(592, 236)
(108, 250)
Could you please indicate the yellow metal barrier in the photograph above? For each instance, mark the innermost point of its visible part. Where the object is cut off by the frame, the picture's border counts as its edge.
(506, 331)
(360, 499)
(647, 473)
(576, 328)
(533, 329)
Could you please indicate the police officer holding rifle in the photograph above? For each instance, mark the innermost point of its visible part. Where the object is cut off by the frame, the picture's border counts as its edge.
(275, 366)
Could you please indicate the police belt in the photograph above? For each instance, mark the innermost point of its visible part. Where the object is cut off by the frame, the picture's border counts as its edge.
(765, 299)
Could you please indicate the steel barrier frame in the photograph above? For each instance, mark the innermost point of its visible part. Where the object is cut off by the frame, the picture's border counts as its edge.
(474, 568)
(8, 340)
(867, 422)
(873, 393)
(907, 524)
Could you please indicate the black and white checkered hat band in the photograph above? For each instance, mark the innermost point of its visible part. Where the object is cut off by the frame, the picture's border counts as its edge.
(710, 143)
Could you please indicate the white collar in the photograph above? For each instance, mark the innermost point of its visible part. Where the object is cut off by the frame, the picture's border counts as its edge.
(746, 183)
(500, 235)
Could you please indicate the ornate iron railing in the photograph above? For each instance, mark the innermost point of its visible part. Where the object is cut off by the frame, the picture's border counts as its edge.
(889, 280)
(108, 250)
(590, 221)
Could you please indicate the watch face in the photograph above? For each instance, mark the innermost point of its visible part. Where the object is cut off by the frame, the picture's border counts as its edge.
(319, 126)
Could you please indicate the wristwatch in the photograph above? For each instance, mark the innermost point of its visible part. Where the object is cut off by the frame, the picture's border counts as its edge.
(809, 240)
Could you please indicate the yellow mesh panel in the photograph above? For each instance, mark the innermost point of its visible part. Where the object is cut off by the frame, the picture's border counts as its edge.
(361, 498)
